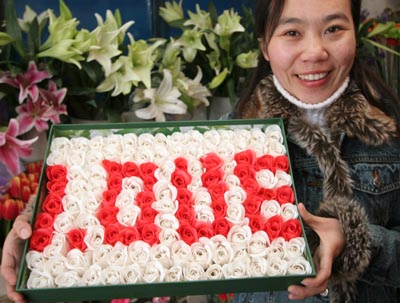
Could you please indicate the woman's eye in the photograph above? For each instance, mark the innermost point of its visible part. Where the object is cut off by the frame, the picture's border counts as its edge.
(291, 33)
(333, 29)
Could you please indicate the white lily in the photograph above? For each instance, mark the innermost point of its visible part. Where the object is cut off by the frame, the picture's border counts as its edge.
(200, 20)
(172, 11)
(194, 89)
(164, 99)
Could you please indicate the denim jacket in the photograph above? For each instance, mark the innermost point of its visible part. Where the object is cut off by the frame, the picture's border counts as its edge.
(375, 172)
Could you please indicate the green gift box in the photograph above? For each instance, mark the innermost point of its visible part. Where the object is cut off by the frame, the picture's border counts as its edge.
(153, 289)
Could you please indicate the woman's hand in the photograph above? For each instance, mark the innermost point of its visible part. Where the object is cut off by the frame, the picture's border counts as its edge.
(12, 255)
(332, 241)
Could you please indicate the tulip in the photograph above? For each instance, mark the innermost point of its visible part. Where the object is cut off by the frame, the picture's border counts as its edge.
(11, 208)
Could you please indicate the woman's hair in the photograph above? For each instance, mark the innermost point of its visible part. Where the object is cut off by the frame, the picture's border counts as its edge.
(377, 92)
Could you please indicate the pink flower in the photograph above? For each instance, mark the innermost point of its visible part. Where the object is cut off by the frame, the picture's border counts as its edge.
(47, 107)
(120, 301)
(26, 82)
(160, 300)
(11, 148)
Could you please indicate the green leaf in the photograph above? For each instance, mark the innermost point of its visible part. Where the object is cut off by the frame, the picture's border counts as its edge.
(381, 46)
(5, 39)
(380, 29)
(12, 26)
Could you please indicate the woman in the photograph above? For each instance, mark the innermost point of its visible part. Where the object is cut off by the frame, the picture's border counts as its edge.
(344, 147)
(342, 126)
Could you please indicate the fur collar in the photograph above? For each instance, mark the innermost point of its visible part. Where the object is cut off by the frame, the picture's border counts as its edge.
(352, 115)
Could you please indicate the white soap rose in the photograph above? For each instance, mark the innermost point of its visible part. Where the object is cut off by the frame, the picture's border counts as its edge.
(92, 276)
(289, 211)
(181, 252)
(258, 244)
(101, 255)
(266, 178)
(153, 272)
(139, 252)
(283, 178)
(299, 266)
(161, 253)
(202, 254)
(270, 208)
(131, 273)
(204, 213)
(193, 271)
(258, 267)
(239, 236)
(64, 222)
(111, 275)
(128, 215)
(67, 279)
(214, 272)
(40, 279)
(294, 248)
(174, 274)
(235, 195)
(236, 214)
(276, 266)
(166, 221)
(273, 133)
(238, 268)
(168, 236)
(94, 237)
(35, 260)
(78, 261)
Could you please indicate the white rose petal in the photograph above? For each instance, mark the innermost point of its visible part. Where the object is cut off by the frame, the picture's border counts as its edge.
(78, 261)
(162, 254)
(128, 215)
(94, 237)
(235, 195)
(239, 236)
(181, 252)
(174, 274)
(139, 252)
(258, 267)
(168, 236)
(131, 273)
(55, 265)
(35, 260)
(214, 272)
(266, 178)
(258, 244)
(202, 254)
(118, 255)
(237, 268)
(204, 213)
(283, 178)
(166, 221)
(101, 255)
(111, 275)
(92, 276)
(273, 133)
(294, 248)
(193, 271)
(236, 213)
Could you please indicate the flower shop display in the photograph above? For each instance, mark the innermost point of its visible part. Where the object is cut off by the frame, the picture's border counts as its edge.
(379, 41)
(222, 45)
(163, 209)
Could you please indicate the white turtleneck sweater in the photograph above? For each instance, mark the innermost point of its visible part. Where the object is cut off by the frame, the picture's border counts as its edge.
(313, 113)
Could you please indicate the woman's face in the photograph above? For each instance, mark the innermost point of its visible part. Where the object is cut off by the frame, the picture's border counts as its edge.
(312, 50)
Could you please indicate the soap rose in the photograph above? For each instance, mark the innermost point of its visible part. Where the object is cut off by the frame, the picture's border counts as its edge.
(41, 237)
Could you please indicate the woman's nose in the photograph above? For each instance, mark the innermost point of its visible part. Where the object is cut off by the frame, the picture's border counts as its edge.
(314, 49)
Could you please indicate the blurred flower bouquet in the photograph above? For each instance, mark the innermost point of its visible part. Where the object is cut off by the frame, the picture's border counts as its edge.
(222, 47)
(15, 194)
(379, 40)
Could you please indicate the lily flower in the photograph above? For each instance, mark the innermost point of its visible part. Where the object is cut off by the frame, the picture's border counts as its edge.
(201, 20)
(191, 42)
(164, 99)
(26, 82)
(47, 108)
(12, 148)
(30, 15)
(106, 44)
(197, 92)
(247, 60)
(228, 23)
(172, 11)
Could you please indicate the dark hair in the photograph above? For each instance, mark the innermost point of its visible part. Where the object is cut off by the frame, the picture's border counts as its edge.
(377, 92)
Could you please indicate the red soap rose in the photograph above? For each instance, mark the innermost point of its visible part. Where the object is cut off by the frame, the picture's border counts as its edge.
(52, 204)
(282, 163)
(44, 220)
(112, 167)
(252, 204)
(273, 227)
(128, 235)
(267, 193)
(246, 157)
(212, 176)
(108, 215)
(57, 187)
(188, 233)
(109, 198)
(148, 182)
(244, 172)
(56, 173)
(75, 239)
(145, 198)
(204, 229)
(147, 214)
(111, 233)
(41, 237)
(181, 163)
(256, 222)
(180, 178)
(265, 162)
(219, 207)
(217, 190)
(147, 169)
(284, 194)
(150, 233)
(211, 161)
(130, 169)
(115, 182)
(221, 226)
(291, 229)
(250, 185)
(184, 196)
(185, 214)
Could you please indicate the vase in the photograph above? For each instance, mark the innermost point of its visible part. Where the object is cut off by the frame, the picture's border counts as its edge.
(219, 106)
(38, 147)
